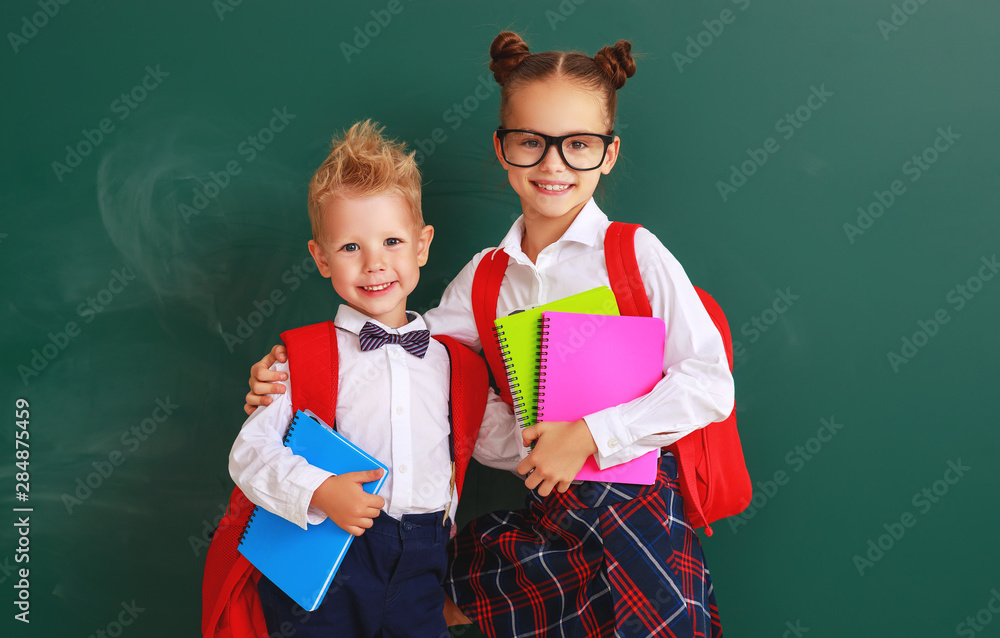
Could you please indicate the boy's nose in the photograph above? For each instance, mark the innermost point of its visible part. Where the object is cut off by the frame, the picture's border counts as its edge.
(374, 263)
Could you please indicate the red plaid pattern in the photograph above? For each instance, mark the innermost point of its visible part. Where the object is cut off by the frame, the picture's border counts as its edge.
(603, 559)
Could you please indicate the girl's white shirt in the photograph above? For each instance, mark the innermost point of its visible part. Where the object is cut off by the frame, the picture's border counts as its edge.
(697, 388)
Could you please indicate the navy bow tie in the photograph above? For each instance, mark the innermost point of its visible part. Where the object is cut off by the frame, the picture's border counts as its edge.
(415, 342)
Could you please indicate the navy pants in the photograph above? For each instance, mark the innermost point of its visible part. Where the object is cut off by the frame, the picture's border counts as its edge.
(388, 585)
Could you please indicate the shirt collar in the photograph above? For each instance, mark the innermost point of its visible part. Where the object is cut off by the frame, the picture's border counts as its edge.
(585, 229)
(353, 321)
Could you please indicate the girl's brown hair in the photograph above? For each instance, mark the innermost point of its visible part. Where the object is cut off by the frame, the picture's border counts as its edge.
(513, 66)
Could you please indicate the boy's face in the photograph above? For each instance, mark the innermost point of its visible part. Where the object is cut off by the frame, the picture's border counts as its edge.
(372, 252)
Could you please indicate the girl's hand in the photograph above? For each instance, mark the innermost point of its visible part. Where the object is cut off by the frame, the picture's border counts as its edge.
(345, 501)
(262, 380)
(561, 449)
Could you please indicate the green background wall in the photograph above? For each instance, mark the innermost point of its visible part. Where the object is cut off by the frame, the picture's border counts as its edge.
(821, 311)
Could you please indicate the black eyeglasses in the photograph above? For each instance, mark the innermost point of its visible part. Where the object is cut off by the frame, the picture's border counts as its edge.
(579, 151)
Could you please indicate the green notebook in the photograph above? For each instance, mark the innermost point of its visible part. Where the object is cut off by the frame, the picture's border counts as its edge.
(519, 338)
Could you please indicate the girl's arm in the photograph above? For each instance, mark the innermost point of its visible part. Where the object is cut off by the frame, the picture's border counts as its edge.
(697, 388)
(263, 379)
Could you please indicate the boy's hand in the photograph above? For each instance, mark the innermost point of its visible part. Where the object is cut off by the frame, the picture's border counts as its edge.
(343, 499)
(262, 379)
(561, 449)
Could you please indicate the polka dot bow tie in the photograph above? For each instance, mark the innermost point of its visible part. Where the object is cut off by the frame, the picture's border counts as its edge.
(415, 342)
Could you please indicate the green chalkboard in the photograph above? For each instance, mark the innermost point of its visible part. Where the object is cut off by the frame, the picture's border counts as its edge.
(827, 170)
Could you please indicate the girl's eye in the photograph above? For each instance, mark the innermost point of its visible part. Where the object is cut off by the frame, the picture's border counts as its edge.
(392, 241)
(350, 248)
(530, 144)
(577, 145)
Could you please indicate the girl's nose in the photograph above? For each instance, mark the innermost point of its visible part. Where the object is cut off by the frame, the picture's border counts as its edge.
(553, 161)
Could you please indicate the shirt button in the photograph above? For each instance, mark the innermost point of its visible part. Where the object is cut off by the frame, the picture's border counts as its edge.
(612, 442)
(394, 353)
(402, 469)
(400, 409)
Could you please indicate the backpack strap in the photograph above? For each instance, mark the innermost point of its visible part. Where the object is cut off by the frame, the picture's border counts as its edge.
(623, 270)
(314, 363)
(469, 385)
(626, 282)
(485, 294)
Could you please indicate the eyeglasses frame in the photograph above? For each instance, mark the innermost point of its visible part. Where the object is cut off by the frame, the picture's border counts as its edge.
(550, 141)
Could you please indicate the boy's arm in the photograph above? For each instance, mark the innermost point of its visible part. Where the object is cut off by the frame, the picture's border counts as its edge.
(286, 484)
(267, 471)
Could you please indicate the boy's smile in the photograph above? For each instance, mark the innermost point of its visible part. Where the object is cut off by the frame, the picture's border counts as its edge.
(372, 252)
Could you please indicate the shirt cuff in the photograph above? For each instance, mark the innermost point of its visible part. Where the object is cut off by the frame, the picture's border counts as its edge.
(300, 511)
(610, 434)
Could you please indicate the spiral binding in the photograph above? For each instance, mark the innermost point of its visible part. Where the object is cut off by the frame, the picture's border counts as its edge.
(543, 351)
(291, 427)
(247, 526)
(516, 394)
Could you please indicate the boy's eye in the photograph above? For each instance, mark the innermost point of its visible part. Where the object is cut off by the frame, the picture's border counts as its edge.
(350, 248)
(393, 241)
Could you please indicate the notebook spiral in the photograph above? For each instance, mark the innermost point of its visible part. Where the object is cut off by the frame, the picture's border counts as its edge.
(291, 428)
(247, 526)
(516, 393)
(543, 351)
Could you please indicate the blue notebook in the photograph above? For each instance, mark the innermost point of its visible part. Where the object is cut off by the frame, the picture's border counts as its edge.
(303, 562)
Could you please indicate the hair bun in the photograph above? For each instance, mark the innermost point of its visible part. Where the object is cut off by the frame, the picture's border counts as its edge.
(617, 62)
(508, 50)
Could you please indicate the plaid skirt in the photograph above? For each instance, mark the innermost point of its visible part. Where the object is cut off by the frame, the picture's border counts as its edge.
(603, 559)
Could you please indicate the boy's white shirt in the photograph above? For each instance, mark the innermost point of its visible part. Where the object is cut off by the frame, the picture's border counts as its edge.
(391, 404)
(698, 386)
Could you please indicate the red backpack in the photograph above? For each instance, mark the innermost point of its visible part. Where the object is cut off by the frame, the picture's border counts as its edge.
(713, 475)
(230, 605)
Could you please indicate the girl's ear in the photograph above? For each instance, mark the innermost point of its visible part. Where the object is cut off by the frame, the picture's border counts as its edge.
(499, 151)
(317, 254)
(612, 156)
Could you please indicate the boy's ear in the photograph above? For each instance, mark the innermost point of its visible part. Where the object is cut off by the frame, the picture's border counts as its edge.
(612, 156)
(424, 237)
(319, 258)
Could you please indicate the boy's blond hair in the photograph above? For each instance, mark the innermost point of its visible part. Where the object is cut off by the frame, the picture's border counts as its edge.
(361, 164)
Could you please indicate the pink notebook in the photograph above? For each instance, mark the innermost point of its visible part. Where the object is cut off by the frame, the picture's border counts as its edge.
(592, 362)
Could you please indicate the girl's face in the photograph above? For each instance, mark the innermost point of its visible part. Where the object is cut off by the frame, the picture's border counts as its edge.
(550, 189)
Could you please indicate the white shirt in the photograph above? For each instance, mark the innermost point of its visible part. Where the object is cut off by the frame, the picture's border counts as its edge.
(698, 386)
(391, 404)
